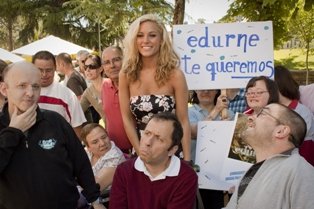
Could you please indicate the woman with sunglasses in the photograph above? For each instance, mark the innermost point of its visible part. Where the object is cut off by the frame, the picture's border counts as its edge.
(92, 96)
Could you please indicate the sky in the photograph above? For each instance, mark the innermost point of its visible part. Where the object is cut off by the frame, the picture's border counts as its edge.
(210, 10)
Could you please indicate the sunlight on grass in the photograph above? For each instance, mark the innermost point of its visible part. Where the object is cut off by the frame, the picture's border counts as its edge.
(293, 58)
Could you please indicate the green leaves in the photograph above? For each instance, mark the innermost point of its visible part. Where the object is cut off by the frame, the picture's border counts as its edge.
(74, 20)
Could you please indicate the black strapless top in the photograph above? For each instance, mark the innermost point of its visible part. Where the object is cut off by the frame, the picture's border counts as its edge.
(145, 106)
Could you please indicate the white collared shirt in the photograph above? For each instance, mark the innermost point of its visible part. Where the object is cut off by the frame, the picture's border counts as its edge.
(172, 170)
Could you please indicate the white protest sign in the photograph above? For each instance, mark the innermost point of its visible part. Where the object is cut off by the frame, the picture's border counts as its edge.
(224, 55)
(218, 170)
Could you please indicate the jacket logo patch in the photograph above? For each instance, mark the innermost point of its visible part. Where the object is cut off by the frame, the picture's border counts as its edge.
(47, 143)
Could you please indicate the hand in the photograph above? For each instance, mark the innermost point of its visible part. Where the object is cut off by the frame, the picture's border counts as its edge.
(98, 206)
(25, 120)
(222, 103)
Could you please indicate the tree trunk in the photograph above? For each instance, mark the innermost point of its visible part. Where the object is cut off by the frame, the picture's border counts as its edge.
(10, 30)
(307, 62)
(179, 8)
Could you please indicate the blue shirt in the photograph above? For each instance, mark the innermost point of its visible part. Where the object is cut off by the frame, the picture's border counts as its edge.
(238, 104)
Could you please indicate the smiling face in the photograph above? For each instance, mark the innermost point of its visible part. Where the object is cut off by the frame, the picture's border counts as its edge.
(22, 86)
(112, 62)
(156, 141)
(93, 71)
(148, 39)
(98, 142)
(257, 96)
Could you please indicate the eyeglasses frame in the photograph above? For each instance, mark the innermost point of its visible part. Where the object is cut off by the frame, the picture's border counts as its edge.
(292, 139)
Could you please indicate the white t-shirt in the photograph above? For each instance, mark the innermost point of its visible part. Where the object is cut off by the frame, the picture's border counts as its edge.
(61, 99)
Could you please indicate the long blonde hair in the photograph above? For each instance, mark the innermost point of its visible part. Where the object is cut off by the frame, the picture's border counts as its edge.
(168, 60)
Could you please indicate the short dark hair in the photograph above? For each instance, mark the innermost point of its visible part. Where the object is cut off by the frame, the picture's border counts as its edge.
(271, 86)
(96, 59)
(287, 86)
(87, 129)
(177, 132)
(44, 55)
(295, 122)
(65, 57)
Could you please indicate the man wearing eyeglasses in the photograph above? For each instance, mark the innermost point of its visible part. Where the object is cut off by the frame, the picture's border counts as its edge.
(281, 178)
(54, 96)
(112, 63)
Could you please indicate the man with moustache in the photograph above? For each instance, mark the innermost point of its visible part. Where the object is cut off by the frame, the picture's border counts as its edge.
(157, 179)
(281, 177)
(41, 158)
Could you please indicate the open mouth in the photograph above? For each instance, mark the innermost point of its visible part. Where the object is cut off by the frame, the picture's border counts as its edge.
(250, 123)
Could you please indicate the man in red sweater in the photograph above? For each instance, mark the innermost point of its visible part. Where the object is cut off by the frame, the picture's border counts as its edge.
(157, 179)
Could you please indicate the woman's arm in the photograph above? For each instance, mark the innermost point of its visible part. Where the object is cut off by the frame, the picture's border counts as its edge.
(85, 103)
(127, 117)
(181, 96)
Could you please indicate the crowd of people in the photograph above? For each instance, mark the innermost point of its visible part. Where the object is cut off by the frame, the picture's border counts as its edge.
(125, 123)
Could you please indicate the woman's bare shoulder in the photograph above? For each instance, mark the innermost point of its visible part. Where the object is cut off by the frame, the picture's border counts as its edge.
(177, 72)
(177, 75)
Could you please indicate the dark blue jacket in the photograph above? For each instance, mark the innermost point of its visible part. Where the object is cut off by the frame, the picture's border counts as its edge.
(40, 169)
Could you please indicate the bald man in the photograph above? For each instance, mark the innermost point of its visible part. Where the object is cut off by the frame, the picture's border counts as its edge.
(41, 159)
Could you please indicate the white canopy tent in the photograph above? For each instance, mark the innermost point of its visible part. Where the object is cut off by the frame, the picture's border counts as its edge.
(51, 43)
(9, 57)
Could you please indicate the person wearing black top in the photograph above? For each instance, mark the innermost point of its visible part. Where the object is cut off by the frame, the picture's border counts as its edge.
(41, 158)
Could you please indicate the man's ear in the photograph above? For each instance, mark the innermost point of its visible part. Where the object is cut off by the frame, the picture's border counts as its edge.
(282, 131)
(3, 88)
(173, 150)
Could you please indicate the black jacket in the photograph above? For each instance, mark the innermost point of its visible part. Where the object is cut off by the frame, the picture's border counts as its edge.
(41, 168)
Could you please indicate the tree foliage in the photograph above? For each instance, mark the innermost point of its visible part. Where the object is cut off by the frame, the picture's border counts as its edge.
(277, 11)
(8, 20)
(179, 9)
(80, 21)
(302, 27)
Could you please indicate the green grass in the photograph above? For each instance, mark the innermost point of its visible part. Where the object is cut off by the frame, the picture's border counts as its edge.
(293, 58)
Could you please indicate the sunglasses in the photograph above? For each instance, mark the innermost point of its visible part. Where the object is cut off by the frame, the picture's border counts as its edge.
(91, 66)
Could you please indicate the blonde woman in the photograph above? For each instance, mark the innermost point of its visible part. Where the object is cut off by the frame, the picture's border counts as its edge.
(150, 80)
